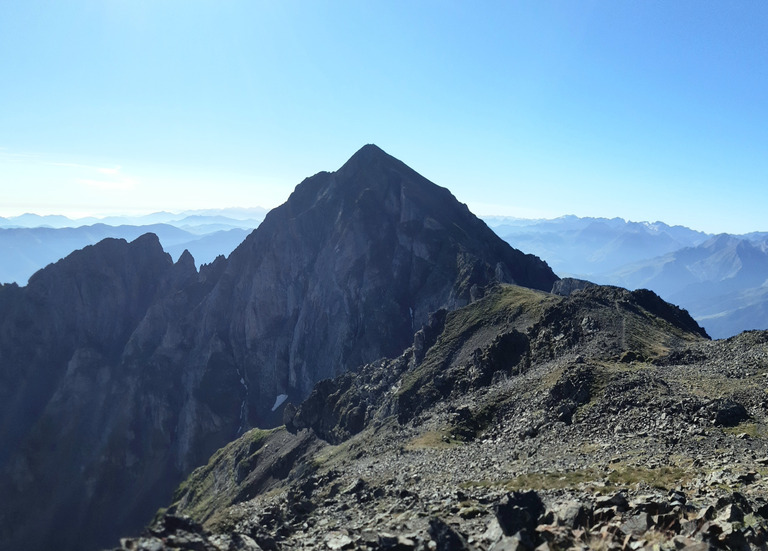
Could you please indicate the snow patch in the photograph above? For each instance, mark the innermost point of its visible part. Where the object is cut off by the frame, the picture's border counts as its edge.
(279, 401)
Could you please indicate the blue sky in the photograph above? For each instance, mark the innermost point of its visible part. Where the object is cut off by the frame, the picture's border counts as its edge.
(643, 110)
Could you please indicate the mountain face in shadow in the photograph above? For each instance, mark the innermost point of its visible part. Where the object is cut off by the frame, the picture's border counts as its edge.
(120, 371)
(347, 269)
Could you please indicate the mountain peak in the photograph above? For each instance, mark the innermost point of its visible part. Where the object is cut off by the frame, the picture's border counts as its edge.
(369, 151)
(367, 157)
(343, 273)
(377, 241)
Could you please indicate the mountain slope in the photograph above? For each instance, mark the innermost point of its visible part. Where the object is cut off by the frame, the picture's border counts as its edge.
(348, 268)
(338, 276)
(607, 409)
(61, 342)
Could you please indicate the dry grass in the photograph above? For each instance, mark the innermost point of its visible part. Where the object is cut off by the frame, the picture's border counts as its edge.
(433, 440)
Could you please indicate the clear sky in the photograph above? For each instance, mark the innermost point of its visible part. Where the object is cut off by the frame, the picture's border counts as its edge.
(644, 110)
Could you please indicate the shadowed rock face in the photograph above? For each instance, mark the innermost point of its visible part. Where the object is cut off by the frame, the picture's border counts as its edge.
(70, 438)
(121, 371)
(346, 270)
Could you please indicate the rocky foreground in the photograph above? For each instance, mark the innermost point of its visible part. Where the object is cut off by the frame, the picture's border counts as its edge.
(603, 420)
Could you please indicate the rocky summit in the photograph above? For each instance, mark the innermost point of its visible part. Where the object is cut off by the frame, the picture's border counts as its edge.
(121, 371)
(605, 419)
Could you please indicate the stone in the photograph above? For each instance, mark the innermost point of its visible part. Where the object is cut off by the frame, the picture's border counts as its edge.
(509, 543)
(730, 513)
(338, 540)
(750, 477)
(470, 512)
(729, 413)
(689, 544)
(446, 538)
(669, 522)
(677, 498)
(636, 524)
(650, 505)
(573, 514)
(245, 543)
(618, 500)
(519, 511)
(356, 487)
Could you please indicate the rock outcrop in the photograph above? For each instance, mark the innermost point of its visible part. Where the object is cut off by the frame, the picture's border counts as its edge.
(580, 447)
(69, 438)
(121, 371)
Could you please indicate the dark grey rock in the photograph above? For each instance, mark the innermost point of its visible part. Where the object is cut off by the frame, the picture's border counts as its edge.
(636, 524)
(617, 500)
(729, 413)
(574, 514)
(519, 511)
(446, 538)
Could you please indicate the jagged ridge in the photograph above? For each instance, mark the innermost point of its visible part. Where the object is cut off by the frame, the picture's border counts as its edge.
(338, 276)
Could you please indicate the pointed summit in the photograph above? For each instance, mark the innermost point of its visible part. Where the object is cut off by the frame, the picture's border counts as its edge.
(365, 253)
(369, 152)
(371, 157)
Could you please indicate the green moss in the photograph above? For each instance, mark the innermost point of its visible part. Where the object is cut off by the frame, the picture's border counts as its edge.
(542, 481)
(664, 477)
(510, 305)
(214, 485)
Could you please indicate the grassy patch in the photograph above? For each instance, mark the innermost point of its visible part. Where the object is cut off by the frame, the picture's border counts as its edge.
(663, 477)
(623, 476)
(333, 454)
(542, 481)
(589, 448)
(508, 304)
(433, 440)
(753, 430)
(212, 485)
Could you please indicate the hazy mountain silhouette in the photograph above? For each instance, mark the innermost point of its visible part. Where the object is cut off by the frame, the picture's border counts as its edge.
(720, 279)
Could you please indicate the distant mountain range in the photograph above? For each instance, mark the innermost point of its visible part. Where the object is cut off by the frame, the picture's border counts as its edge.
(594, 247)
(721, 279)
(239, 217)
(30, 242)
